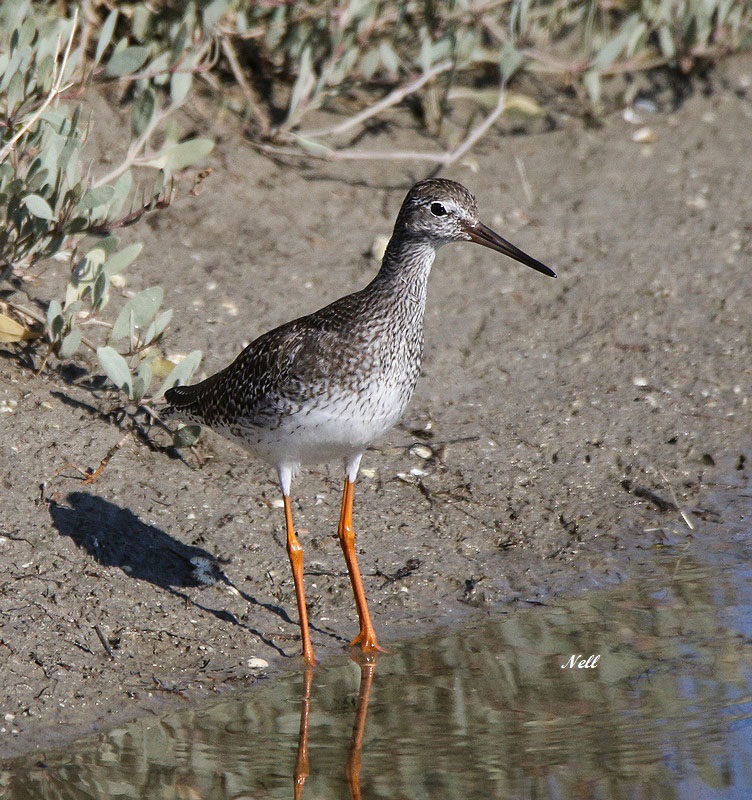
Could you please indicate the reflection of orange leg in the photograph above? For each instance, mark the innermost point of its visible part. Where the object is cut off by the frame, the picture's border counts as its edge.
(295, 551)
(302, 770)
(367, 636)
(354, 754)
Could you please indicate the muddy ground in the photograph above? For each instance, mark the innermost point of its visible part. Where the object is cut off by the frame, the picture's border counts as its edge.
(568, 423)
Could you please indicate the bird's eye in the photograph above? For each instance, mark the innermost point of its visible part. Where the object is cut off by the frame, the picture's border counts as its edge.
(438, 210)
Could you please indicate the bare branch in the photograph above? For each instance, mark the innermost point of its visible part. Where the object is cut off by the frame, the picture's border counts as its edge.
(252, 98)
(394, 97)
(444, 159)
(134, 151)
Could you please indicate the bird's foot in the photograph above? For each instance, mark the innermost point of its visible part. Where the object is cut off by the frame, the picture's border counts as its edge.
(366, 639)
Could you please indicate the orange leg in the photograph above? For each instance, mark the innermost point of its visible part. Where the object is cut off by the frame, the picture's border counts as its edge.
(367, 636)
(354, 754)
(302, 770)
(295, 551)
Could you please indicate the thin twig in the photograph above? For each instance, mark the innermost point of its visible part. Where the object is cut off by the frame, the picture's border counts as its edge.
(89, 475)
(252, 98)
(103, 639)
(479, 132)
(394, 97)
(444, 159)
(55, 90)
(684, 514)
(547, 63)
(523, 177)
(135, 149)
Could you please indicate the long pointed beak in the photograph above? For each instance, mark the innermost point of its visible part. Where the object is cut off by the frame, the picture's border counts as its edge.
(482, 234)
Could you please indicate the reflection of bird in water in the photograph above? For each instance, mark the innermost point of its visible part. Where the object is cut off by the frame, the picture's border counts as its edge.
(355, 751)
(326, 385)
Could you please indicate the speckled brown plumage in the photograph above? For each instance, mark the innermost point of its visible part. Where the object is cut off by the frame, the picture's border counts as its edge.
(327, 384)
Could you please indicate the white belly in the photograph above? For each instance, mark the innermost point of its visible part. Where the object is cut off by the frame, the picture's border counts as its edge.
(323, 431)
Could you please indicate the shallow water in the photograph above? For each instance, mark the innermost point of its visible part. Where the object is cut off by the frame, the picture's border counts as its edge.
(491, 712)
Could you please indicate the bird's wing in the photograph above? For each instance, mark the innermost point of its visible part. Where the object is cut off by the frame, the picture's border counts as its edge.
(278, 371)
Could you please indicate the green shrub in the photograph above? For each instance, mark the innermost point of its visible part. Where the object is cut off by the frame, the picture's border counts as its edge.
(51, 207)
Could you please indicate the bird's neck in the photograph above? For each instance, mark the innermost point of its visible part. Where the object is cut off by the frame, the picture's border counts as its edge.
(405, 268)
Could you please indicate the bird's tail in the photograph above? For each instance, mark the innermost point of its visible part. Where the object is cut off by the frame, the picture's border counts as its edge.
(182, 403)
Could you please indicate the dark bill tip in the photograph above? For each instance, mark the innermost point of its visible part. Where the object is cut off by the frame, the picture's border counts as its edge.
(482, 234)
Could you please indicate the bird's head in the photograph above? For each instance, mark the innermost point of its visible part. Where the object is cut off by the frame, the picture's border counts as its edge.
(443, 211)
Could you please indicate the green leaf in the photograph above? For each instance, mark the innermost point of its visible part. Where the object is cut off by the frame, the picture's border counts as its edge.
(105, 35)
(55, 321)
(511, 60)
(612, 49)
(313, 147)
(144, 371)
(116, 368)
(44, 76)
(126, 61)
(182, 372)
(119, 261)
(157, 328)
(143, 111)
(140, 21)
(666, 40)
(178, 45)
(38, 206)
(181, 155)
(159, 67)
(69, 149)
(370, 63)
(180, 85)
(143, 378)
(213, 13)
(108, 245)
(592, 82)
(99, 293)
(139, 390)
(275, 28)
(426, 57)
(138, 311)
(71, 343)
(389, 57)
(303, 83)
(121, 190)
(96, 197)
(186, 436)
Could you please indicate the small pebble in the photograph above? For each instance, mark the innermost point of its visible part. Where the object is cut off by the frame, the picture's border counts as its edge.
(643, 136)
(699, 202)
(645, 105)
(421, 451)
(256, 663)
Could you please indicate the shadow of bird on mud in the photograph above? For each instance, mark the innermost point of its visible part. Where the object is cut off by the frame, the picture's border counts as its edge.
(116, 537)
